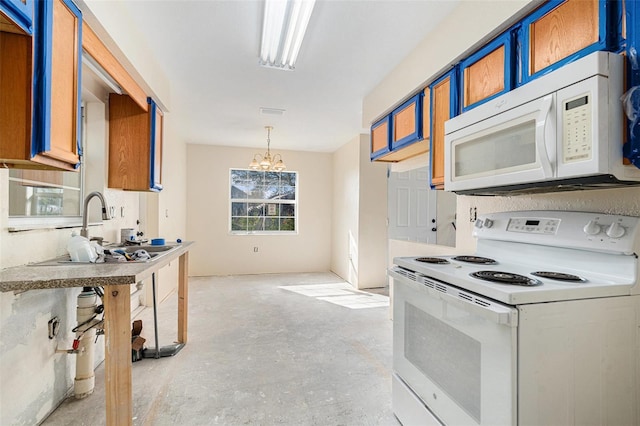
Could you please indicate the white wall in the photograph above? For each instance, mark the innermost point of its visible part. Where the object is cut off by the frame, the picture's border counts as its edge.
(346, 201)
(218, 252)
(470, 22)
(372, 241)
(359, 231)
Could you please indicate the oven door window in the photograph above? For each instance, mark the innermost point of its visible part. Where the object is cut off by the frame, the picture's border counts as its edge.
(428, 345)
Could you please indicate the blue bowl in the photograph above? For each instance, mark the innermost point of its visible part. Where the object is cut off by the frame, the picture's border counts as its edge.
(157, 242)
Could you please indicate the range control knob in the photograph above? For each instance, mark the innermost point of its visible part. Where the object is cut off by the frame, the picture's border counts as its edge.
(488, 223)
(592, 228)
(478, 223)
(615, 230)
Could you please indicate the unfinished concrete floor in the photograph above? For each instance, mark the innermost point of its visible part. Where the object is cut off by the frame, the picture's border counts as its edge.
(257, 354)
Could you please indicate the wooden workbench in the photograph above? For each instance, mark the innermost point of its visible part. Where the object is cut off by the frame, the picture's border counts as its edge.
(115, 278)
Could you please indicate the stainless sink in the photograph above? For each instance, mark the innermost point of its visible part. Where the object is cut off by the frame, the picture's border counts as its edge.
(154, 251)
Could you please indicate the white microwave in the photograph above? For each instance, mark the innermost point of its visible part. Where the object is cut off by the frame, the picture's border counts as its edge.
(562, 131)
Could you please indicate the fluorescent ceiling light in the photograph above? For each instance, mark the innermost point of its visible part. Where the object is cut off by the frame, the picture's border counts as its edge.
(283, 28)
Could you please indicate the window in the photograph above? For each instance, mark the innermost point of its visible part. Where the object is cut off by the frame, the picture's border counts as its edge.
(263, 202)
(46, 197)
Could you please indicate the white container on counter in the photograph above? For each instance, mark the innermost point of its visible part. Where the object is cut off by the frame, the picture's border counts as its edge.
(80, 249)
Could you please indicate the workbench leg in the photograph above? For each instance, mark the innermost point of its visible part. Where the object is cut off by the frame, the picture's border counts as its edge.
(117, 331)
(183, 297)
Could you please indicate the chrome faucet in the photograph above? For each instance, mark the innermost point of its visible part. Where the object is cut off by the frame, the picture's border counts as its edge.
(85, 212)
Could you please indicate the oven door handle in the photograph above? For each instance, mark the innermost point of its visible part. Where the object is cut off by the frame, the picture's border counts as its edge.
(489, 310)
(486, 308)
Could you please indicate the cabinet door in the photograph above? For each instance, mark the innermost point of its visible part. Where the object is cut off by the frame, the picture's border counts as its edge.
(56, 122)
(19, 12)
(40, 89)
(561, 31)
(406, 123)
(16, 69)
(444, 105)
(488, 72)
(156, 146)
(380, 138)
(135, 145)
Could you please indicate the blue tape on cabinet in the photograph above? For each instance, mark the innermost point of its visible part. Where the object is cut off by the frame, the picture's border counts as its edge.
(19, 12)
(603, 42)
(631, 99)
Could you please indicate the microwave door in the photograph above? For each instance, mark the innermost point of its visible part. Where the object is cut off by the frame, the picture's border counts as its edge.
(505, 149)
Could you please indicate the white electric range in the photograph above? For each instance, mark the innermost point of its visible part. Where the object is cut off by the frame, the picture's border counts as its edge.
(540, 326)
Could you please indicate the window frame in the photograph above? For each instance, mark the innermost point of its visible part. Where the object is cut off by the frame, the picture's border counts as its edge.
(25, 223)
(294, 202)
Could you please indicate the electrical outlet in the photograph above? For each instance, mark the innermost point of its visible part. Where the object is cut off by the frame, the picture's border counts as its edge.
(255, 249)
(473, 214)
(122, 211)
(54, 326)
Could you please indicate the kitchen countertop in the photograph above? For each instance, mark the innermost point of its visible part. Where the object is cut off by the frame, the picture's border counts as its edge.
(32, 277)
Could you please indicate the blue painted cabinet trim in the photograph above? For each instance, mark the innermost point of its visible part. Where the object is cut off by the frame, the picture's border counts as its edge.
(43, 53)
(379, 153)
(632, 147)
(506, 39)
(154, 181)
(417, 134)
(19, 12)
(454, 108)
(606, 38)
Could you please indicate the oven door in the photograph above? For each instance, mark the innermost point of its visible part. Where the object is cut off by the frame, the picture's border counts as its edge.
(456, 351)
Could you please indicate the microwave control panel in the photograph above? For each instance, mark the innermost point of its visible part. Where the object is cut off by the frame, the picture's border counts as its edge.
(577, 141)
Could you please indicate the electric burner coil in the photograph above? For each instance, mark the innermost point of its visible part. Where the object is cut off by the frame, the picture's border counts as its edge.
(436, 260)
(558, 276)
(505, 278)
(475, 259)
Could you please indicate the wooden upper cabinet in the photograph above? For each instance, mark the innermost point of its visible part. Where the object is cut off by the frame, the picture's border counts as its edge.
(558, 30)
(135, 144)
(380, 138)
(406, 123)
(443, 107)
(399, 135)
(40, 92)
(488, 72)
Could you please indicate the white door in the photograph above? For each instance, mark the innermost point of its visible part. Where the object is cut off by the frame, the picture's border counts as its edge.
(411, 206)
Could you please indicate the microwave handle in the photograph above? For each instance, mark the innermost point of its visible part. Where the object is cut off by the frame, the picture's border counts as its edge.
(542, 121)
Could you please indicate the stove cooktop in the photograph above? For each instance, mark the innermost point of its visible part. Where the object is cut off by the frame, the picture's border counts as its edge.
(548, 255)
(554, 283)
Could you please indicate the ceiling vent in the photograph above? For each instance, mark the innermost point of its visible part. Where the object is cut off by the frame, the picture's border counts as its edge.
(271, 111)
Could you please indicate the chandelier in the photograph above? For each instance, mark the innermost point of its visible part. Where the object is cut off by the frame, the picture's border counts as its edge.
(266, 161)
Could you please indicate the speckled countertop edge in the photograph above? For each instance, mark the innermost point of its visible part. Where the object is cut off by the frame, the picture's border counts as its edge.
(25, 277)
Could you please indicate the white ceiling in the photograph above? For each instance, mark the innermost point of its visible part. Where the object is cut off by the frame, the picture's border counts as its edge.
(209, 53)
